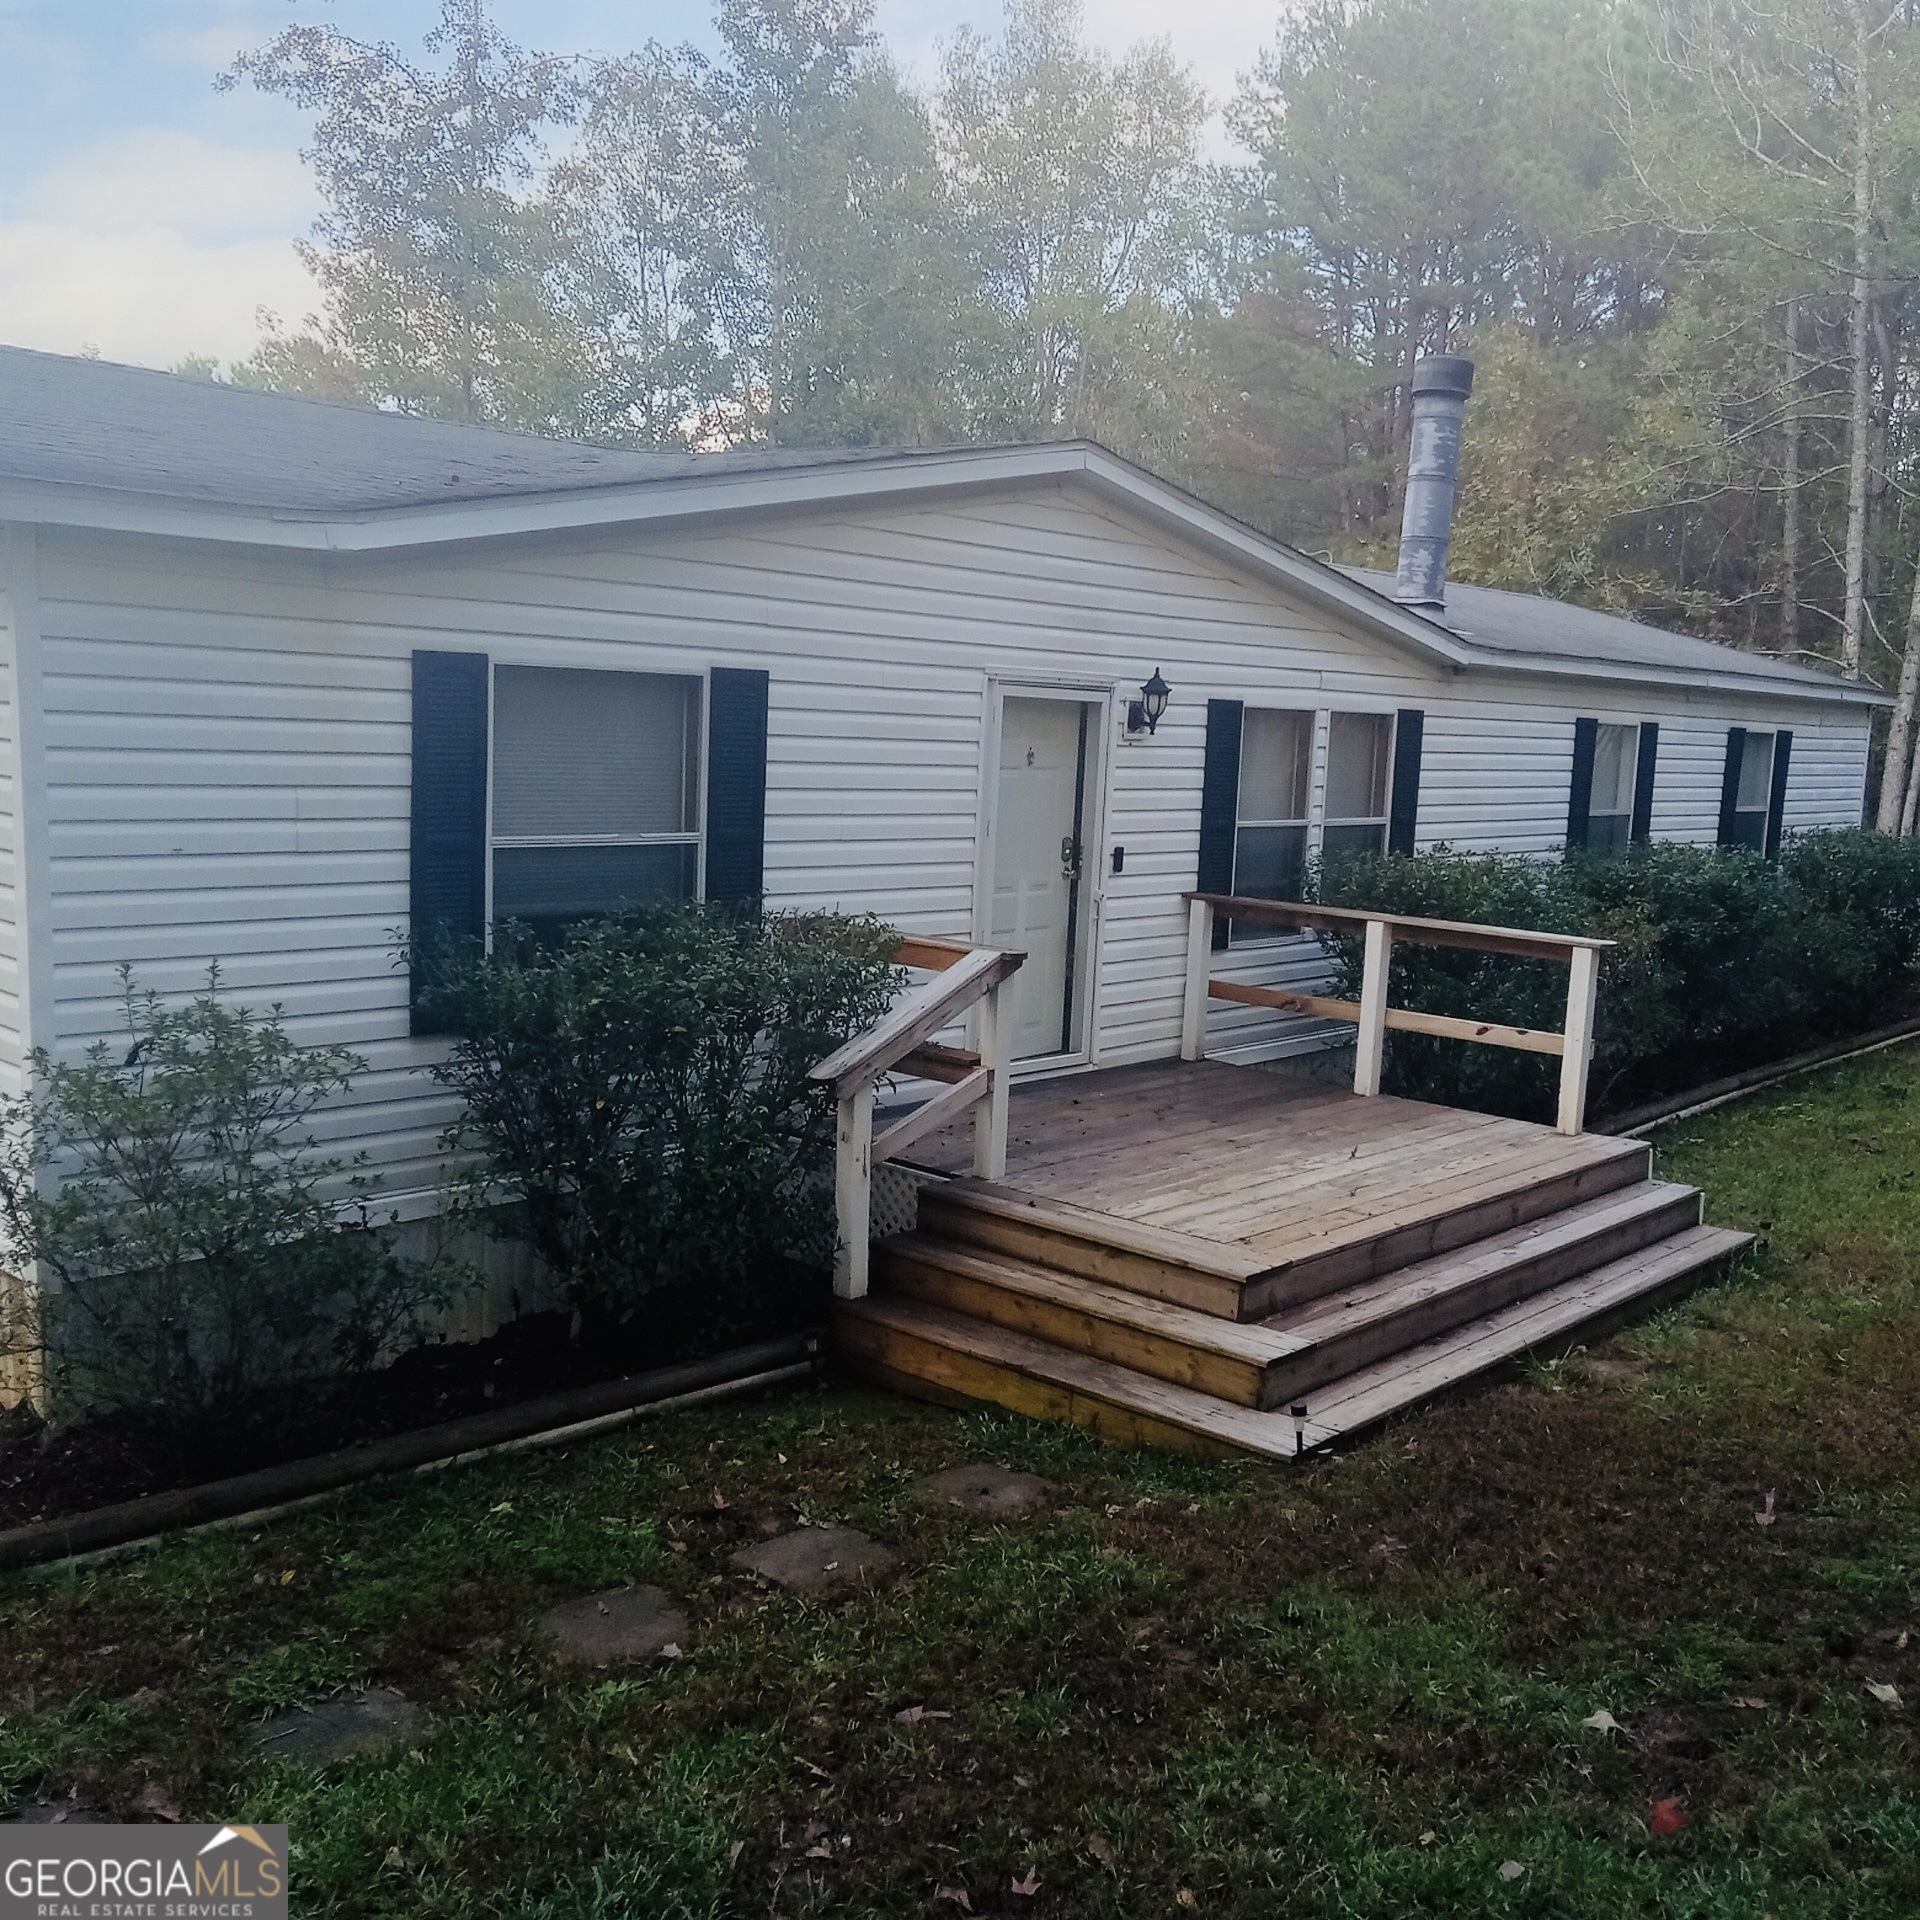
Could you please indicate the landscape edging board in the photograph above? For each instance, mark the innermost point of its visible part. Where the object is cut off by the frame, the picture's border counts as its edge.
(572, 1413)
(1718, 1093)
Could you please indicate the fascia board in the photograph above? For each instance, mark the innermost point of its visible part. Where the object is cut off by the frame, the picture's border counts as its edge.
(1840, 693)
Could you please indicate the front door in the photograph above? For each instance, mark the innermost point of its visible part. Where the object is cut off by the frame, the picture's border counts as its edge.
(1040, 826)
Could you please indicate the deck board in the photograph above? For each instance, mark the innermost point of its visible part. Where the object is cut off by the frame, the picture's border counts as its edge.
(1264, 1163)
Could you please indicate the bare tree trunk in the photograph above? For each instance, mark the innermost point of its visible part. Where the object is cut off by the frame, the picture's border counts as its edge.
(1860, 301)
(1790, 492)
(1899, 777)
(1910, 813)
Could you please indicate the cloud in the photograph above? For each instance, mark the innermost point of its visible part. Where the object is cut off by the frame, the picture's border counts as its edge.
(153, 245)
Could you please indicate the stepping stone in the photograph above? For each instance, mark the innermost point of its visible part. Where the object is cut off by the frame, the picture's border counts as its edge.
(817, 1559)
(605, 1629)
(986, 1489)
(335, 1730)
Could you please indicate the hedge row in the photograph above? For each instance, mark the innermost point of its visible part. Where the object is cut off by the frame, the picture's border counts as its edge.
(1723, 960)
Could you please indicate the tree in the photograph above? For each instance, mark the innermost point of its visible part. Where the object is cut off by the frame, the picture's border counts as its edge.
(432, 259)
(1088, 218)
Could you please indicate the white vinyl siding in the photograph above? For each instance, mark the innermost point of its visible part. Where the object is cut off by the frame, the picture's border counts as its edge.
(14, 1044)
(227, 741)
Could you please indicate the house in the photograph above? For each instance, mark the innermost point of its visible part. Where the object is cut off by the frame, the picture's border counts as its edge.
(284, 679)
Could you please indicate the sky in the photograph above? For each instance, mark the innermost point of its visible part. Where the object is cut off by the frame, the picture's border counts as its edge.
(146, 216)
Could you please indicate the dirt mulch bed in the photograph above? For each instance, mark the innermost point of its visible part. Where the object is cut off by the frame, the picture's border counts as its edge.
(49, 1473)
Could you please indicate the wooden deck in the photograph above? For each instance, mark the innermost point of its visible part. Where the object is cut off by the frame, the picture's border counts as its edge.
(1183, 1252)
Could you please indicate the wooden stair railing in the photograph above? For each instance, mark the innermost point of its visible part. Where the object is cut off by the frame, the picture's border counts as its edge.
(901, 1042)
(1371, 1014)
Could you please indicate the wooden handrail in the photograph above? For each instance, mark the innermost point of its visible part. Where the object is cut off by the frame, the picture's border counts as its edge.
(964, 977)
(1371, 1014)
(917, 1015)
(1411, 928)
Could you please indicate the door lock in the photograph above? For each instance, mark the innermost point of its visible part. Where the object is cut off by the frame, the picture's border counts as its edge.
(1070, 856)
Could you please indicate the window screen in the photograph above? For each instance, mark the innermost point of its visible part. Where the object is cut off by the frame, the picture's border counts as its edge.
(1276, 776)
(1616, 759)
(1359, 757)
(595, 791)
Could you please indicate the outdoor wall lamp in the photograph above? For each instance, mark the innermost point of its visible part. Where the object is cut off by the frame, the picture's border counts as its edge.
(1144, 714)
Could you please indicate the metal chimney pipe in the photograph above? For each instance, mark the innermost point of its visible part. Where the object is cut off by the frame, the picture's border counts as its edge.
(1440, 388)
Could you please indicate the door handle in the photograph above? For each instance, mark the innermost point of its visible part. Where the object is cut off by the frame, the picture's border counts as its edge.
(1070, 855)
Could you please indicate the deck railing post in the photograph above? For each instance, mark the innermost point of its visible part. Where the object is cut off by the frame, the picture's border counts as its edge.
(1582, 986)
(853, 1191)
(1370, 1043)
(990, 1115)
(1193, 1013)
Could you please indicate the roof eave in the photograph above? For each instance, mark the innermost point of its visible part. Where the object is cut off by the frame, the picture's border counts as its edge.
(1856, 693)
(887, 476)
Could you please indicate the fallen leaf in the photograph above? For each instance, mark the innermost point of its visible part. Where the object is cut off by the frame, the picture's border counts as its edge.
(112, 1646)
(1100, 1848)
(1021, 1780)
(1668, 1816)
(1888, 1696)
(671, 1651)
(1511, 1869)
(1602, 1722)
(1428, 1838)
(720, 1501)
(1748, 1701)
(735, 1851)
(286, 1579)
(1030, 1885)
(505, 1506)
(1186, 1897)
(154, 1800)
(958, 1895)
(819, 1853)
(1766, 1516)
(912, 1716)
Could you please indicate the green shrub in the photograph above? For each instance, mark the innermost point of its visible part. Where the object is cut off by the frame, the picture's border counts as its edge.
(204, 1262)
(636, 1090)
(1722, 959)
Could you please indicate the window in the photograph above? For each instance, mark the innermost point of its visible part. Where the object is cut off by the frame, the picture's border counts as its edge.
(1359, 756)
(1284, 816)
(595, 791)
(1276, 777)
(1616, 760)
(1753, 792)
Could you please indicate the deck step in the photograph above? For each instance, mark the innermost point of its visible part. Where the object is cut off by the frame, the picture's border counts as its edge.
(1206, 1351)
(940, 1354)
(1210, 1276)
(1340, 1333)
(1252, 1280)
(1266, 1364)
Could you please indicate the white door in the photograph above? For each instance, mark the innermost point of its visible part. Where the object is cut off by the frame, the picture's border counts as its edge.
(1037, 840)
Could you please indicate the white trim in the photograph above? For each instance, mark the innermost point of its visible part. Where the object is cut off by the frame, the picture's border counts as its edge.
(1100, 696)
(884, 476)
(33, 851)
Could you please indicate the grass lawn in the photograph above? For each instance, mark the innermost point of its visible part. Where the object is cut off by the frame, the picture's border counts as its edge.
(1355, 1689)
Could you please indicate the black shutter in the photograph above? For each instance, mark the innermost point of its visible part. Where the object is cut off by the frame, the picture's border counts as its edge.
(1403, 807)
(737, 785)
(447, 864)
(1586, 743)
(1730, 783)
(1219, 803)
(1643, 770)
(1777, 799)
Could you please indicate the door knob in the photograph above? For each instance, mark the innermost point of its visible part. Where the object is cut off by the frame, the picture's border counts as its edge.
(1070, 855)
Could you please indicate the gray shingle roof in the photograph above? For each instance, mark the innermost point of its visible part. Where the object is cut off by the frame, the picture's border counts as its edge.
(1535, 628)
(92, 423)
(97, 425)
